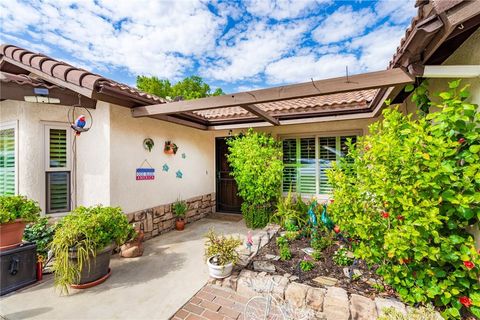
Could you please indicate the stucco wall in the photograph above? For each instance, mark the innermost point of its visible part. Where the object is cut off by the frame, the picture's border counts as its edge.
(92, 156)
(127, 154)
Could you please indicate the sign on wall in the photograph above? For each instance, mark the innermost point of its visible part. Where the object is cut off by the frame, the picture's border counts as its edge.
(145, 173)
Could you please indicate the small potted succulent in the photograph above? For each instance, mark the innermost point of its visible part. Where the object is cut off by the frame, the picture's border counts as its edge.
(15, 213)
(179, 208)
(83, 243)
(170, 147)
(221, 254)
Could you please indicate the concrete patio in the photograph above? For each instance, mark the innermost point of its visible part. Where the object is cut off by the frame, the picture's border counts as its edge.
(153, 286)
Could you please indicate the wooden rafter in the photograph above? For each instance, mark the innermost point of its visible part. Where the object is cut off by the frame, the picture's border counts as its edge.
(372, 80)
(261, 114)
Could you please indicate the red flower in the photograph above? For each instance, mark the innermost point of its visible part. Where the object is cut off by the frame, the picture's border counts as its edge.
(385, 214)
(332, 200)
(400, 217)
(469, 264)
(466, 301)
(461, 140)
(336, 229)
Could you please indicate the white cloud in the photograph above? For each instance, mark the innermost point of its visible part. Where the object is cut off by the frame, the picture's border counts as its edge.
(376, 54)
(304, 68)
(283, 9)
(247, 54)
(400, 11)
(344, 23)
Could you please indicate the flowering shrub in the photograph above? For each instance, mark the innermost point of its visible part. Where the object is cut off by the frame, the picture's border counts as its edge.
(408, 193)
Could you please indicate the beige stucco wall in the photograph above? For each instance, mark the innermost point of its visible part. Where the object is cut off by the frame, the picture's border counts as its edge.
(127, 154)
(92, 155)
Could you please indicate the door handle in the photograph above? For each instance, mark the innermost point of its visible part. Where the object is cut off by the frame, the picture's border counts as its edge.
(13, 268)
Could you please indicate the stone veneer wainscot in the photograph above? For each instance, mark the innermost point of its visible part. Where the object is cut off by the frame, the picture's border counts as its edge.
(160, 219)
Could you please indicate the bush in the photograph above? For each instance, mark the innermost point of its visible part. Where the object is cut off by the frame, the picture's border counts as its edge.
(86, 230)
(222, 247)
(285, 253)
(41, 233)
(18, 207)
(288, 214)
(306, 265)
(257, 166)
(409, 192)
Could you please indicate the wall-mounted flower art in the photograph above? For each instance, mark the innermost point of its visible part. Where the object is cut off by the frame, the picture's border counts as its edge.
(148, 144)
(165, 167)
(179, 174)
(170, 147)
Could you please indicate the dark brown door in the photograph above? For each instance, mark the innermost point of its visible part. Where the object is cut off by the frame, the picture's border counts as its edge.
(227, 198)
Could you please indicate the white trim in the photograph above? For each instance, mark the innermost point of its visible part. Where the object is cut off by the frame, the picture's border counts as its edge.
(13, 125)
(460, 71)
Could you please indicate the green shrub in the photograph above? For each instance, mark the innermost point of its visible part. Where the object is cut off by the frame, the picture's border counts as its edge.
(317, 255)
(281, 241)
(179, 208)
(285, 253)
(222, 247)
(257, 166)
(341, 259)
(87, 230)
(18, 207)
(306, 265)
(321, 243)
(409, 193)
(288, 216)
(41, 233)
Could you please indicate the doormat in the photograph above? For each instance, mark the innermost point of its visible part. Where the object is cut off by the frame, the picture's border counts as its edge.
(226, 216)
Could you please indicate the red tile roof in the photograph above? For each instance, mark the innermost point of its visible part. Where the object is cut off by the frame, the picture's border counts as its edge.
(44, 65)
(349, 101)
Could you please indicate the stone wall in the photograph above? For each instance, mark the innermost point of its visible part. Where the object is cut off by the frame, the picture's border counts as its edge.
(160, 219)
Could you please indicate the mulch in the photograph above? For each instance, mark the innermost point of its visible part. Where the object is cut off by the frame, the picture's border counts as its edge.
(324, 267)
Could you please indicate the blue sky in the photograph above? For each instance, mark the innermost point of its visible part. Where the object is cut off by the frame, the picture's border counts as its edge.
(233, 45)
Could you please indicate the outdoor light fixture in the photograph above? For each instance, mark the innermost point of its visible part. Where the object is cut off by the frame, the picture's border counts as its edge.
(41, 96)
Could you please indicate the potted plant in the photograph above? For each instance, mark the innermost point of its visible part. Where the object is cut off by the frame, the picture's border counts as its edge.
(41, 233)
(15, 213)
(83, 243)
(221, 254)
(170, 147)
(179, 208)
(134, 245)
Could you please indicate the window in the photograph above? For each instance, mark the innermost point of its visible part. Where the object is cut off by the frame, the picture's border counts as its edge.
(8, 159)
(57, 169)
(306, 161)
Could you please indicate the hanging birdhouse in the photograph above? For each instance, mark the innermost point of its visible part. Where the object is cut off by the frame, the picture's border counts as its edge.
(170, 147)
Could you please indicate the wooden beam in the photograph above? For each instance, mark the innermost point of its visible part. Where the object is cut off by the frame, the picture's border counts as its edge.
(261, 114)
(182, 122)
(379, 79)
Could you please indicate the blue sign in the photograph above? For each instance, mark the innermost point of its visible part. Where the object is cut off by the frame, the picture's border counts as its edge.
(145, 173)
(41, 91)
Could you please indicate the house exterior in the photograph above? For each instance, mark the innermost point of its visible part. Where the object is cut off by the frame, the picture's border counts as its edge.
(43, 158)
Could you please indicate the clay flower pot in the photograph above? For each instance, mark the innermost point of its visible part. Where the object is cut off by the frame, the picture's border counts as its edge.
(11, 233)
(180, 224)
(133, 248)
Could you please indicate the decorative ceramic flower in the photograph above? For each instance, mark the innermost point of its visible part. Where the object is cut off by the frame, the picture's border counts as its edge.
(466, 301)
(469, 264)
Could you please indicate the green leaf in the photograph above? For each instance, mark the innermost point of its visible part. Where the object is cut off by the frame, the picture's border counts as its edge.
(445, 95)
(454, 84)
(474, 148)
(475, 311)
(409, 88)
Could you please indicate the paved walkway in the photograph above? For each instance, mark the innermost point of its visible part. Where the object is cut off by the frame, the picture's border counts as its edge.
(212, 303)
(153, 286)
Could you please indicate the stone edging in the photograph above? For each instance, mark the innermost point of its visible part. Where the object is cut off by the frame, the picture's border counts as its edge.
(327, 303)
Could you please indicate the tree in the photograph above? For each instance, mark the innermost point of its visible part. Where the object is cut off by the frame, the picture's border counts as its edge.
(192, 87)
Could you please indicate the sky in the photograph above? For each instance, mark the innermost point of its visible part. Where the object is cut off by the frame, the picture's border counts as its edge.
(234, 45)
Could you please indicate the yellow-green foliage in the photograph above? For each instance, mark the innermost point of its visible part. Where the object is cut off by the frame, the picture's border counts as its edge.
(221, 246)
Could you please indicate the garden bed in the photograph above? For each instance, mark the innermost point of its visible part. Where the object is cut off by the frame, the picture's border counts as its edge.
(367, 284)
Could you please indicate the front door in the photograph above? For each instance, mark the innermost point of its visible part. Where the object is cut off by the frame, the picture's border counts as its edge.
(227, 198)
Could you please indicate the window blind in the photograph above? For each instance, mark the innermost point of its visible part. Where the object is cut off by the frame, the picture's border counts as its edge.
(58, 191)
(327, 154)
(7, 161)
(58, 148)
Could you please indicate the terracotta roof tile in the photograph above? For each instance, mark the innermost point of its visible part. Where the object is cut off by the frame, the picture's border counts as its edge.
(70, 74)
(22, 79)
(322, 104)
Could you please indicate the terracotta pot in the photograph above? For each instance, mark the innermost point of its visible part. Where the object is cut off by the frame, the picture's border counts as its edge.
(169, 151)
(180, 224)
(11, 233)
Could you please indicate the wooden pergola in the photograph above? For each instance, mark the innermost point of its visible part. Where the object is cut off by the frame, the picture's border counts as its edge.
(180, 112)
